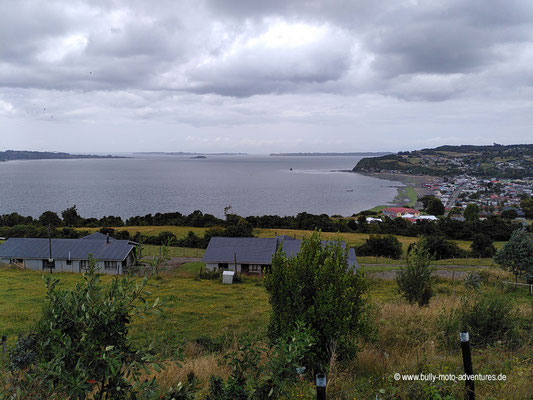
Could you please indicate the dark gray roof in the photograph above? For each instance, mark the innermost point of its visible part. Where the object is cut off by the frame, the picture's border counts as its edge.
(255, 250)
(64, 249)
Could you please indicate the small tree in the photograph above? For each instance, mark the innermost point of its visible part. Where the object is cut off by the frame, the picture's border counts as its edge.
(438, 247)
(471, 212)
(414, 281)
(319, 289)
(516, 255)
(49, 218)
(81, 346)
(482, 246)
(381, 246)
(435, 207)
(71, 217)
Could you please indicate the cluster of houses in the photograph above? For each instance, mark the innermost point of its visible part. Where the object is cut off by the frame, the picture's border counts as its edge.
(410, 214)
(492, 195)
(242, 255)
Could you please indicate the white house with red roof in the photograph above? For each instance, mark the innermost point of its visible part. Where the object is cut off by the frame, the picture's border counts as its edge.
(400, 212)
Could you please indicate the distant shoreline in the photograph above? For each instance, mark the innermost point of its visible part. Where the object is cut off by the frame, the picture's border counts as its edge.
(16, 155)
(414, 186)
(356, 154)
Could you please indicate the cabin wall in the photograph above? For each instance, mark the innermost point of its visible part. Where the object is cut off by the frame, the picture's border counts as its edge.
(34, 265)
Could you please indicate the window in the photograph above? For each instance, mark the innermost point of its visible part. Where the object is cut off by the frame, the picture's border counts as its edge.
(255, 269)
(110, 265)
(69, 262)
(49, 264)
(222, 265)
(84, 264)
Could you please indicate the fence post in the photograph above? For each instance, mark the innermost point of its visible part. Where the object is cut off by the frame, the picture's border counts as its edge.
(4, 344)
(467, 363)
(321, 387)
(530, 290)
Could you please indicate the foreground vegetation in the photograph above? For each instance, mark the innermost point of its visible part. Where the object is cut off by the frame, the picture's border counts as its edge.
(205, 319)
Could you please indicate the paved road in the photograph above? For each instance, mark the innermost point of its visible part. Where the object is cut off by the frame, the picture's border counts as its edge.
(453, 198)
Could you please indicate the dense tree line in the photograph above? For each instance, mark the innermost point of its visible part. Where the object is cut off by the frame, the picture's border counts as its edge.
(495, 228)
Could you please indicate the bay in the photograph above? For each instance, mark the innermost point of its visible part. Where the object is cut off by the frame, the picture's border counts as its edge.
(251, 184)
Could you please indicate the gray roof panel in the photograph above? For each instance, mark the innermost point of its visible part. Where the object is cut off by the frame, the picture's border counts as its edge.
(256, 250)
(64, 249)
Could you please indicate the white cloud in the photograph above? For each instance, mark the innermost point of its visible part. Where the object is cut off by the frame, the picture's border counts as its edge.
(255, 74)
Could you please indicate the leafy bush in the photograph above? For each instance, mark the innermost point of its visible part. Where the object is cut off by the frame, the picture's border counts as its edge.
(291, 352)
(414, 281)
(244, 362)
(473, 281)
(482, 246)
(516, 255)
(440, 248)
(489, 318)
(81, 345)
(319, 289)
(381, 246)
(210, 275)
(183, 391)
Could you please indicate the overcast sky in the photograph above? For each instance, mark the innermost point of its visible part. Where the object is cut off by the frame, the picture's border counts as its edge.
(264, 76)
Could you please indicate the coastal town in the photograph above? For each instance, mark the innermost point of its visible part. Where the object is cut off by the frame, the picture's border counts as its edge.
(507, 198)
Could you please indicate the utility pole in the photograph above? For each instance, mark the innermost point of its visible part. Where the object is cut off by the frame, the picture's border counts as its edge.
(50, 259)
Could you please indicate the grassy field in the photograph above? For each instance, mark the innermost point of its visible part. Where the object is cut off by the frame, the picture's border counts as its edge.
(406, 340)
(194, 307)
(152, 250)
(179, 231)
(353, 239)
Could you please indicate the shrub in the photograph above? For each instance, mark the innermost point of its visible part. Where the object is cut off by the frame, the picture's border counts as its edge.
(489, 318)
(516, 255)
(81, 345)
(381, 246)
(319, 289)
(482, 246)
(440, 248)
(414, 281)
(183, 391)
(473, 281)
(210, 275)
(291, 352)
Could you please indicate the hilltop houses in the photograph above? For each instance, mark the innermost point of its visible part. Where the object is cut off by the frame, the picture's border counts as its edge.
(70, 255)
(253, 255)
(400, 212)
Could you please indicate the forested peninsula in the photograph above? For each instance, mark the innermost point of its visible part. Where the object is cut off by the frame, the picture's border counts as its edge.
(495, 161)
(11, 155)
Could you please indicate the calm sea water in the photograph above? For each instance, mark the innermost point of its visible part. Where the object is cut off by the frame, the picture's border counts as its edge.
(251, 184)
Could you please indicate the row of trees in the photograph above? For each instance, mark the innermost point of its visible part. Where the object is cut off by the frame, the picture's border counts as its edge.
(494, 227)
(438, 247)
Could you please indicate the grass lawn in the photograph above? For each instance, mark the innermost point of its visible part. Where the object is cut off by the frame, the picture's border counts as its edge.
(407, 335)
(193, 307)
(153, 250)
(179, 231)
